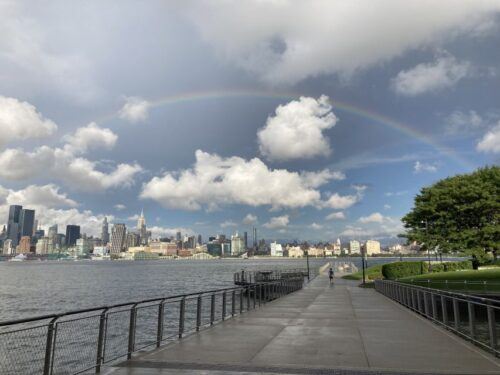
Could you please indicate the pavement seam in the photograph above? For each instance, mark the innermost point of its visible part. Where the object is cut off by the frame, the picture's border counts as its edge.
(357, 327)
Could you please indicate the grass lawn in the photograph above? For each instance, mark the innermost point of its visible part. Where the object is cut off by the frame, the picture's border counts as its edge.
(487, 280)
(372, 273)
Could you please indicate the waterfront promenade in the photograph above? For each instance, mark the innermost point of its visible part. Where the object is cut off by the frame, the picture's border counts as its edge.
(322, 329)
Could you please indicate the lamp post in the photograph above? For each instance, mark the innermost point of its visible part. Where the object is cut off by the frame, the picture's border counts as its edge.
(428, 245)
(307, 260)
(363, 250)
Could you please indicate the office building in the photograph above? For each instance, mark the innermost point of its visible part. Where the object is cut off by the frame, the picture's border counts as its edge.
(8, 249)
(237, 245)
(372, 247)
(133, 240)
(354, 247)
(27, 222)
(72, 234)
(84, 246)
(118, 235)
(199, 239)
(245, 240)
(14, 225)
(276, 249)
(105, 231)
(24, 246)
(42, 246)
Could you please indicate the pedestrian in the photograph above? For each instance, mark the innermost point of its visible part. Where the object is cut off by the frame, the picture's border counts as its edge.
(330, 275)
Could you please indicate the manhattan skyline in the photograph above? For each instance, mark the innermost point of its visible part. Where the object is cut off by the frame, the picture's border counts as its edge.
(311, 128)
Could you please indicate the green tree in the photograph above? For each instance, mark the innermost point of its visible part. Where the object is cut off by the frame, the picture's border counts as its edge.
(459, 213)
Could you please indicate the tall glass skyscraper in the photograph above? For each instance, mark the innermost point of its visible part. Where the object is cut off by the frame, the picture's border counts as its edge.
(72, 234)
(14, 224)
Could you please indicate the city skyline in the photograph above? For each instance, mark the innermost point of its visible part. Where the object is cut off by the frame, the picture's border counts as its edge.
(312, 143)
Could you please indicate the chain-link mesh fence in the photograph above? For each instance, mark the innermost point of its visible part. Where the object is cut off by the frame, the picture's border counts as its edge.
(80, 342)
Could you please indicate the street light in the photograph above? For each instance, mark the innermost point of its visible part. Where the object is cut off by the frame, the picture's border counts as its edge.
(363, 250)
(428, 247)
(307, 260)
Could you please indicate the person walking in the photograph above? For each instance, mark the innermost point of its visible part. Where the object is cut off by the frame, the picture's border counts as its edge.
(330, 275)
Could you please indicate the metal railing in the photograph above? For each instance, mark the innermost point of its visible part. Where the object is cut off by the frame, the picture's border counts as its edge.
(260, 276)
(471, 317)
(467, 286)
(84, 340)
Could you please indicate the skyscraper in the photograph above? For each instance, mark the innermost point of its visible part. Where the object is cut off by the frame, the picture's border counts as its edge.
(237, 244)
(105, 231)
(141, 228)
(27, 222)
(72, 234)
(199, 239)
(118, 234)
(14, 225)
(245, 239)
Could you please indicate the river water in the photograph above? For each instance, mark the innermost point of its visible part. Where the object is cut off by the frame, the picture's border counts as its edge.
(36, 288)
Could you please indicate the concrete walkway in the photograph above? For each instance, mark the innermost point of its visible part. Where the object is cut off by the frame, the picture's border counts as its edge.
(322, 329)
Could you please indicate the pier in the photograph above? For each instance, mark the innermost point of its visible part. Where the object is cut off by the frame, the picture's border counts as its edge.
(320, 329)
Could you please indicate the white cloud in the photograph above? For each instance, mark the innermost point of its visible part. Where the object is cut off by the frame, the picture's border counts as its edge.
(288, 41)
(21, 120)
(443, 73)
(341, 202)
(316, 226)
(336, 216)
(375, 217)
(215, 181)
(463, 122)
(250, 219)
(228, 223)
(135, 109)
(396, 193)
(490, 141)
(119, 207)
(63, 164)
(387, 206)
(278, 222)
(390, 228)
(424, 167)
(296, 130)
(90, 137)
(317, 179)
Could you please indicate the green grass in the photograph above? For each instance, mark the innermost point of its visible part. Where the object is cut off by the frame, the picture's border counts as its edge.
(487, 280)
(372, 273)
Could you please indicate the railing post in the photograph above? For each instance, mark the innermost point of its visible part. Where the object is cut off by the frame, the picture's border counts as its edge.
(492, 328)
(444, 310)
(434, 307)
(426, 304)
(131, 331)
(254, 296)
(224, 305)
(212, 309)
(248, 298)
(199, 302)
(100, 342)
(159, 330)
(419, 302)
(233, 303)
(182, 311)
(260, 286)
(456, 313)
(472, 320)
(48, 347)
(241, 300)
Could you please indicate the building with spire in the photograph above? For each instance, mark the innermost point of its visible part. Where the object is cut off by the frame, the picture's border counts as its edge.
(142, 230)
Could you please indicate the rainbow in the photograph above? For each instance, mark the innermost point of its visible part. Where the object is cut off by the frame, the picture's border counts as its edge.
(370, 115)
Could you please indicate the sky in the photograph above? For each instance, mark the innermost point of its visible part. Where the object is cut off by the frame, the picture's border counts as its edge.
(308, 120)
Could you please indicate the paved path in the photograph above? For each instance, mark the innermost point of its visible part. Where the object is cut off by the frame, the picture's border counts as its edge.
(322, 329)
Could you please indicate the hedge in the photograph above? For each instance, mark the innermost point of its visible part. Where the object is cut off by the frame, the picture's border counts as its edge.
(398, 270)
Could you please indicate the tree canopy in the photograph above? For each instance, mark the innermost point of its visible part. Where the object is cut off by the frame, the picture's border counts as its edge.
(459, 213)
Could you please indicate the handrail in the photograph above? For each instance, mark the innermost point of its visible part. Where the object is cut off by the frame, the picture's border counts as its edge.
(468, 312)
(91, 309)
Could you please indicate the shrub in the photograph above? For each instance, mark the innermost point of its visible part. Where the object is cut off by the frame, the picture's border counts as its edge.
(438, 267)
(456, 266)
(397, 270)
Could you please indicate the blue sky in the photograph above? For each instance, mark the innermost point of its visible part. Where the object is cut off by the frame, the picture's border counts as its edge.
(309, 120)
